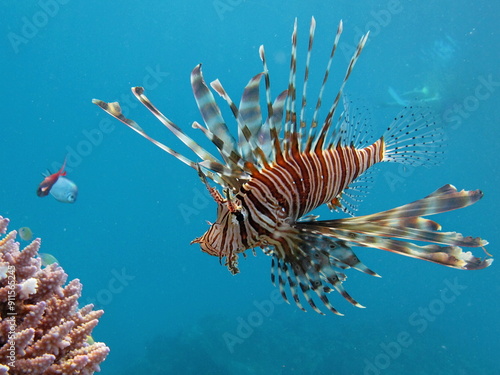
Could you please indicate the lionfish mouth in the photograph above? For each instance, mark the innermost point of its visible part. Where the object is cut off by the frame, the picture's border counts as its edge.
(291, 163)
(231, 258)
(206, 247)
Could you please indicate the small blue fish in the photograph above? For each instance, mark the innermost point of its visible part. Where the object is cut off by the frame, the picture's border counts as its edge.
(60, 187)
(64, 190)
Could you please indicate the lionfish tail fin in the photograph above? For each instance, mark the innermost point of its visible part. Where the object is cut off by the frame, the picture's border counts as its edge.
(414, 137)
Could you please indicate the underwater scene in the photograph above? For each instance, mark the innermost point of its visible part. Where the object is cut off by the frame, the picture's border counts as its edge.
(315, 193)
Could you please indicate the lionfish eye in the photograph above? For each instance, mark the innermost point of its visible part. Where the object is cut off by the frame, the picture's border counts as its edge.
(239, 216)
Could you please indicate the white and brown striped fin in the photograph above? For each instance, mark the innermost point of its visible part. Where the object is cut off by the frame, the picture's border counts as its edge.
(316, 271)
(249, 119)
(195, 147)
(314, 122)
(114, 110)
(290, 115)
(294, 128)
(277, 276)
(210, 161)
(343, 257)
(319, 141)
(212, 117)
(393, 230)
(274, 118)
(266, 137)
(446, 198)
(324, 248)
(302, 119)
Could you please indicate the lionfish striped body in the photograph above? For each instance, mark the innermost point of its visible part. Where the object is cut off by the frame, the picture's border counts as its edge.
(278, 171)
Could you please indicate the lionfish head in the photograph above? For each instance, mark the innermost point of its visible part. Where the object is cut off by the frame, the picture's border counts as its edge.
(223, 238)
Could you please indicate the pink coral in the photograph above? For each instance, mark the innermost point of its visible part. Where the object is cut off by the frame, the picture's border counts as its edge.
(42, 331)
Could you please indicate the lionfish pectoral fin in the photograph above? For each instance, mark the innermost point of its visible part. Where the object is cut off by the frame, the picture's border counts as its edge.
(114, 110)
(315, 269)
(393, 230)
(219, 174)
(217, 130)
(323, 248)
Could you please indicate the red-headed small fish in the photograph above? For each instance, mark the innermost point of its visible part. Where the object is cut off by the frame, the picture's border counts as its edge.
(49, 181)
(60, 187)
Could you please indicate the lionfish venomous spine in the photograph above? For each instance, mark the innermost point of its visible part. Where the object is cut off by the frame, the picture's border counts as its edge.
(279, 169)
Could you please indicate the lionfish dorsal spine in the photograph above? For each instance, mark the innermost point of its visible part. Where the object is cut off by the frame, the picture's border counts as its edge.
(273, 117)
(314, 122)
(329, 117)
(290, 117)
(306, 75)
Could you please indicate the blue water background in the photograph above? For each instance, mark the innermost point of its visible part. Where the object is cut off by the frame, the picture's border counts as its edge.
(170, 308)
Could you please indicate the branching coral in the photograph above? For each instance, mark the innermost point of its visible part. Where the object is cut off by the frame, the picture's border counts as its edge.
(42, 330)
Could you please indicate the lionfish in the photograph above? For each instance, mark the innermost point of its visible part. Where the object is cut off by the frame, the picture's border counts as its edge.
(279, 170)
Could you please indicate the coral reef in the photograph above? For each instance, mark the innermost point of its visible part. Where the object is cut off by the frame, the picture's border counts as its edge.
(42, 330)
